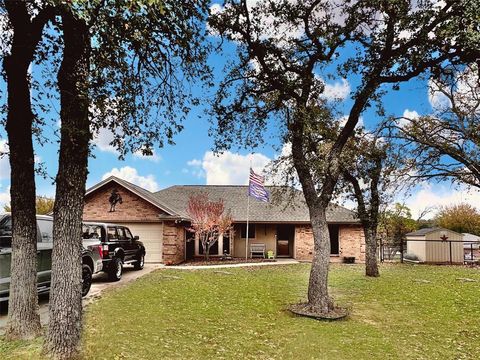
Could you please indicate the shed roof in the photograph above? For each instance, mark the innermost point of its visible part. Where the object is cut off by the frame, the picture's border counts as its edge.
(425, 231)
(471, 237)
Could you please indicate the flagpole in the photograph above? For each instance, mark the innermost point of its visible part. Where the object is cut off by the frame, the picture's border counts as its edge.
(246, 240)
(248, 207)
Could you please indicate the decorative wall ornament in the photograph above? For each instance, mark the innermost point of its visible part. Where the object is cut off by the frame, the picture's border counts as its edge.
(114, 199)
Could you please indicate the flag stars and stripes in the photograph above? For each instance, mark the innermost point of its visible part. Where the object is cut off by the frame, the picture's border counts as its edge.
(256, 188)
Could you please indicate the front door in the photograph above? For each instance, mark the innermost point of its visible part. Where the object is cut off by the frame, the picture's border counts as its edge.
(285, 235)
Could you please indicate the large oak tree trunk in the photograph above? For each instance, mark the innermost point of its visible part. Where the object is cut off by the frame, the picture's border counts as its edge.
(371, 263)
(23, 318)
(66, 300)
(318, 297)
(369, 218)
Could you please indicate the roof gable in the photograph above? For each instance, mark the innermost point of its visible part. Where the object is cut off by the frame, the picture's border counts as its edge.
(137, 190)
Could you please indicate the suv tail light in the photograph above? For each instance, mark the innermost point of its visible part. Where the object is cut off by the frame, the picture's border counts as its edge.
(104, 250)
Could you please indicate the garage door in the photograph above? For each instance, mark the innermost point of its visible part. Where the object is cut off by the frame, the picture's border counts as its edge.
(151, 236)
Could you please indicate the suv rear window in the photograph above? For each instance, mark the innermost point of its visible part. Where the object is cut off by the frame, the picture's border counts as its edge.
(93, 232)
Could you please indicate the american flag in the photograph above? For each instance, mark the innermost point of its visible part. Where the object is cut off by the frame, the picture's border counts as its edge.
(256, 188)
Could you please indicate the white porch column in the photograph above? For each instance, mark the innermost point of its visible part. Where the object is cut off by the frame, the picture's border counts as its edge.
(220, 244)
(197, 245)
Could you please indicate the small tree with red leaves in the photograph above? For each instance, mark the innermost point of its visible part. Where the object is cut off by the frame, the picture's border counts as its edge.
(209, 220)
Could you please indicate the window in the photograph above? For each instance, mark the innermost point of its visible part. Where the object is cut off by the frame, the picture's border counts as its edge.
(111, 233)
(46, 230)
(124, 234)
(121, 234)
(334, 245)
(92, 232)
(251, 231)
(128, 234)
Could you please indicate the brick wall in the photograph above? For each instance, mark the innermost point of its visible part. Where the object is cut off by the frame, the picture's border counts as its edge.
(352, 242)
(132, 209)
(303, 242)
(173, 243)
(350, 237)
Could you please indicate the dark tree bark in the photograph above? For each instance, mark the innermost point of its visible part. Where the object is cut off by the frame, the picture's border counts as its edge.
(318, 299)
(23, 317)
(66, 301)
(371, 263)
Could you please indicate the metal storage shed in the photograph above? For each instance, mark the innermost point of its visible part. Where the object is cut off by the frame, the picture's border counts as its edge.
(436, 245)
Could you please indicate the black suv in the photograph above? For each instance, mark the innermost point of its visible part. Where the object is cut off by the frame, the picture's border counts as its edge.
(91, 260)
(118, 248)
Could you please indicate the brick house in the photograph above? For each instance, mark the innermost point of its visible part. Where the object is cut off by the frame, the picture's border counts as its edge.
(160, 220)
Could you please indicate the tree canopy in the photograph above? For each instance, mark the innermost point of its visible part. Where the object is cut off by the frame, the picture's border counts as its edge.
(462, 218)
(285, 52)
(445, 145)
(43, 205)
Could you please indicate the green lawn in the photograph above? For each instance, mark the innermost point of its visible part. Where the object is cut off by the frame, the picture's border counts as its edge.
(411, 312)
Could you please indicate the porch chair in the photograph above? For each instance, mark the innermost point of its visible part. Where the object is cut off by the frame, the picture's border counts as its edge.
(270, 254)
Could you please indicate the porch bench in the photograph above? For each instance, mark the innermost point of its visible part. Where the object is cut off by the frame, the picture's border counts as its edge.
(257, 249)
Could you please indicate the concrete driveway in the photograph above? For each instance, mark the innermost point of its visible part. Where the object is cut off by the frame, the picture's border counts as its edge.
(100, 283)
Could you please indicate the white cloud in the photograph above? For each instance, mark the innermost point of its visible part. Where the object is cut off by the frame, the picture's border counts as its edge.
(343, 120)
(154, 157)
(4, 161)
(339, 90)
(407, 116)
(4, 198)
(410, 114)
(103, 139)
(440, 195)
(465, 94)
(227, 168)
(231, 168)
(194, 162)
(437, 99)
(130, 174)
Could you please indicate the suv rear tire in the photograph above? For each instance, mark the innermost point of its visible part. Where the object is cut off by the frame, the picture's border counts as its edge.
(140, 263)
(115, 269)
(86, 279)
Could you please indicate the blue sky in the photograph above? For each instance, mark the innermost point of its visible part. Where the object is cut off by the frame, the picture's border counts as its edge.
(191, 161)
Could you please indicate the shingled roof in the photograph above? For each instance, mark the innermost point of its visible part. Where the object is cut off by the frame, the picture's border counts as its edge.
(291, 209)
(425, 231)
